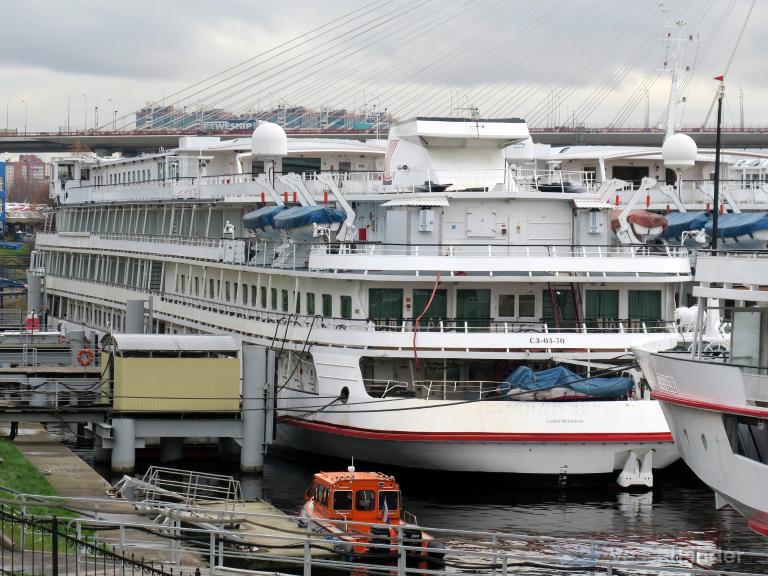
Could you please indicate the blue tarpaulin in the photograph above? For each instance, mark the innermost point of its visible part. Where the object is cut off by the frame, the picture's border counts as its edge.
(306, 216)
(679, 222)
(523, 378)
(732, 225)
(262, 217)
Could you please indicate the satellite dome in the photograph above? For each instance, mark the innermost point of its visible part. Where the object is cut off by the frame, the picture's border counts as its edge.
(679, 151)
(269, 141)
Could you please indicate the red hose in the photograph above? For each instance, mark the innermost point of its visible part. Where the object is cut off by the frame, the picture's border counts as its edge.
(418, 320)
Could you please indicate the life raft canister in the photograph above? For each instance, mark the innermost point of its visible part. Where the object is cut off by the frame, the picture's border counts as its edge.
(85, 357)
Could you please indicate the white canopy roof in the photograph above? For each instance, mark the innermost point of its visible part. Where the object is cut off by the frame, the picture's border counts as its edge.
(174, 343)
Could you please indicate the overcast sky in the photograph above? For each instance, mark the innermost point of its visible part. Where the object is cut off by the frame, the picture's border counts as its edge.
(422, 56)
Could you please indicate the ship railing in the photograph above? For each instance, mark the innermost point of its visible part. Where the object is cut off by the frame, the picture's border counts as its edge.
(441, 389)
(500, 250)
(447, 326)
(162, 239)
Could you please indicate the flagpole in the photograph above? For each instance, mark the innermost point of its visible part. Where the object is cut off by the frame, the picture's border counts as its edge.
(716, 198)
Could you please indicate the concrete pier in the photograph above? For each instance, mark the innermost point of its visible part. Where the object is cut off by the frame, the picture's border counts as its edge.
(124, 444)
(254, 376)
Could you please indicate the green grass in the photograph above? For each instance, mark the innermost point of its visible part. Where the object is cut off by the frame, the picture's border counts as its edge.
(19, 475)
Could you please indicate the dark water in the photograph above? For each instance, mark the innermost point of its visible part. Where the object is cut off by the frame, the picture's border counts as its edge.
(679, 511)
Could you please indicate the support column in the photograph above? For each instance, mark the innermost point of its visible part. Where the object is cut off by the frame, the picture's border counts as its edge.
(34, 292)
(171, 450)
(77, 342)
(134, 317)
(253, 417)
(123, 444)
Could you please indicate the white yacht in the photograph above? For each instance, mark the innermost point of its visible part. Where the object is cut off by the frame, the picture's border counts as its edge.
(421, 297)
(717, 405)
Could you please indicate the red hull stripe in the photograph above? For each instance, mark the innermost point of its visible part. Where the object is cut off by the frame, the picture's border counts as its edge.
(708, 405)
(397, 435)
(759, 525)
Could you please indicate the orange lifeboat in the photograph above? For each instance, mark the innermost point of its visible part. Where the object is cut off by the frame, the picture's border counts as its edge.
(362, 512)
(645, 225)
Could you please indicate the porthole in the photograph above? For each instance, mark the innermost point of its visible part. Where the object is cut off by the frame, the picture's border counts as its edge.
(704, 441)
(344, 395)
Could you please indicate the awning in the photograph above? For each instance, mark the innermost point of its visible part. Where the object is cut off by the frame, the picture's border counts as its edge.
(589, 203)
(172, 343)
(424, 200)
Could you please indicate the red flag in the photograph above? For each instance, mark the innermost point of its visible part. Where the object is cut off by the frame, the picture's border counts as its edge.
(719, 78)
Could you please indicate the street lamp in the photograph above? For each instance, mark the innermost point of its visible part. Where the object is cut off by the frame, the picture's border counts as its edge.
(69, 107)
(26, 111)
(96, 115)
(114, 114)
(85, 113)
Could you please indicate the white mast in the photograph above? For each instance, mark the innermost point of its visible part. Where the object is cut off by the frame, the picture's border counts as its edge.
(674, 40)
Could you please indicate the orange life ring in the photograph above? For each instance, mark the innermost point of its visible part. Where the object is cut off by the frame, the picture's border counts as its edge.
(85, 357)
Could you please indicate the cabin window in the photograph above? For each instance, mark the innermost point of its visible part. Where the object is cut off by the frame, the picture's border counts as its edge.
(473, 307)
(244, 295)
(562, 299)
(264, 297)
(273, 299)
(385, 303)
(389, 497)
(342, 500)
(226, 290)
(746, 340)
(645, 305)
(507, 305)
(284, 300)
(234, 292)
(327, 306)
(345, 303)
(365, 500)
(253, 296)
(526, 305)
(311, 303)
(297, 302)
(438, 310)
(748, 437)
(211, 293)
(602, 305)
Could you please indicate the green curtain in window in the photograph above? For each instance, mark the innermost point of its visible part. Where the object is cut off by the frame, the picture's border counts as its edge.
(385, 303)
(346, 306)
(602, 305)
(473, 306)
(327, 305)
(438, 310)
(645, 305)
(565, 303)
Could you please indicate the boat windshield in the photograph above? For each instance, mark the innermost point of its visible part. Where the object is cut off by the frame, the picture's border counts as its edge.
(342, 500)
(391, 498)
(365, 500)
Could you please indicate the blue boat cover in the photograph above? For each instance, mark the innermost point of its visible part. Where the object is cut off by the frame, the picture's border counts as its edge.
(262, 217)
(307, 215)
(526, 379)
(679, 222)
(732, 225)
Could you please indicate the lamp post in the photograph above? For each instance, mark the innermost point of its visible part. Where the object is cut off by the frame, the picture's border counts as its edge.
(69, 108)
(716, 198)
(7, 104)
(96, 115)
(85, 113)
(114, 114)
(26, 113)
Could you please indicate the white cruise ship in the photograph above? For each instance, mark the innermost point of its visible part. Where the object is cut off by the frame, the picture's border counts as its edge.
(717, 405)
(440, 300)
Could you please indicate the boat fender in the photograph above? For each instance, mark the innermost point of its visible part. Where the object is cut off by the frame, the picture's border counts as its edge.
(436, 549)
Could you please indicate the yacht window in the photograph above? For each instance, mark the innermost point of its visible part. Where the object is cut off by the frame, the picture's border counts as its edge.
(197, 286)
(342, 500)
(284, 300)
(645, 305)
(226, 290)
(526, 305)
(183, 284)
(327, 306)
(273, 299)
(264, 297)
(253, 296)
(218, 288)
(311, 303)
(346, 306)
(211, 292)
(392, 499)
(748, 437)
(602, 305)
(365, 500)
(244, 294)
(507, 305)
(746, 338)
(234, 291)
(297, 302)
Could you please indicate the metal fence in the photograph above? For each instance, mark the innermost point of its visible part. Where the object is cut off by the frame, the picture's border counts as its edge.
(49, 545)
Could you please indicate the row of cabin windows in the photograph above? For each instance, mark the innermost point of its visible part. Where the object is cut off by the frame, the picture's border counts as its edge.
(126, 177)
(268, 298)
(474, 305)
(365, 500)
